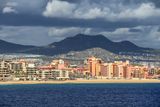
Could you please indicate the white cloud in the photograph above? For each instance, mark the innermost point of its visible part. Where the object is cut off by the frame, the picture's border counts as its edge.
(145, 10)
(23, 6)
(119, 31)
(91, 13)
(91, 10)
(9, 10)
(120, 34)
(10, 7)
(58, 8)
(67, 32)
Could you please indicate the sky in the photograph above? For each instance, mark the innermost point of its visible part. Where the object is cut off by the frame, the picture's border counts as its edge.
(41, 22)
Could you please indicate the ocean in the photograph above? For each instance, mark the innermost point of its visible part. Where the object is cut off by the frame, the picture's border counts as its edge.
(80, 95)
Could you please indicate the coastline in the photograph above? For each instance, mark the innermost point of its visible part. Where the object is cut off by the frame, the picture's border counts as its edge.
(80, 81)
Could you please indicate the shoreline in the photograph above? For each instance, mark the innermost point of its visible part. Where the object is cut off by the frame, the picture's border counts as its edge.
(94, 81)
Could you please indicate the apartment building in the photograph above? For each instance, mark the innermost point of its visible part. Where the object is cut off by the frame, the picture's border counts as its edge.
(49, 73)
(94, 66)
(31, 71)
(5, 71)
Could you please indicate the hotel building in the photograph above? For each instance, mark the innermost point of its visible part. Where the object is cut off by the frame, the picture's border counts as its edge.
(5, 72)
(94, 66)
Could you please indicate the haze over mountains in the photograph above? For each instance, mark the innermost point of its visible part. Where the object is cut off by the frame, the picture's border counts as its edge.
(79, 42)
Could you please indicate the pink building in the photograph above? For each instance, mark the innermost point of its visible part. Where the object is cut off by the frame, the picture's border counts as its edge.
(104, 70)
(59, 64)
(127, 72)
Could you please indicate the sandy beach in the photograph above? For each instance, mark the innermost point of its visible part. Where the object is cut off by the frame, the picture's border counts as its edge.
(81, 81)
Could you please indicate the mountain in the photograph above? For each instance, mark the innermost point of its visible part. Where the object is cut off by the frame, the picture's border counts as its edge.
(82, 42)
(79, 42)
(7, 47)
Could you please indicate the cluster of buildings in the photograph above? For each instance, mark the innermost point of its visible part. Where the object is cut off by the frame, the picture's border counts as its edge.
(29, 70)
(120, 70)
(62, 70)
(116, 69)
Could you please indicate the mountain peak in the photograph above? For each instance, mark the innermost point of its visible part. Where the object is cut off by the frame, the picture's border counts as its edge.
(81, 39)
(99, 36)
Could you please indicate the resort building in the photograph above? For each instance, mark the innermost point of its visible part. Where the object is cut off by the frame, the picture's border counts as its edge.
(18, 69)
(5, 72)
(107, 70)
(59, 64)
(94, 66)
(31, 71)
(49, 73)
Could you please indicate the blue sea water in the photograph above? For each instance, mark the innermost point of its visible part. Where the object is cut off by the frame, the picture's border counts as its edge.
(80, 95)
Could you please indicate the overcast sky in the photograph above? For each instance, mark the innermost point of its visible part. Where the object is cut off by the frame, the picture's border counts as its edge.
(40, 22)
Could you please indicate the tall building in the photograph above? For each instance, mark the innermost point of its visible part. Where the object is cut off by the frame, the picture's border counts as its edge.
(31, 71)
(118, 68)
(104, 70)
(5, 72)
(107, 70)
(94, 66)
(127, 72)
(18, 69)
(140, 72)
(114, 70)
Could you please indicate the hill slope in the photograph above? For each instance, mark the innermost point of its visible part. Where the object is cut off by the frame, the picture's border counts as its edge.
(7, 47)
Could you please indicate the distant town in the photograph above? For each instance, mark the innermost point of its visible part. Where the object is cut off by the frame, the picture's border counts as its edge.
(34, 69)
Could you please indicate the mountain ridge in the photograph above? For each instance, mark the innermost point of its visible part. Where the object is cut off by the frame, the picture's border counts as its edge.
(79, 42)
